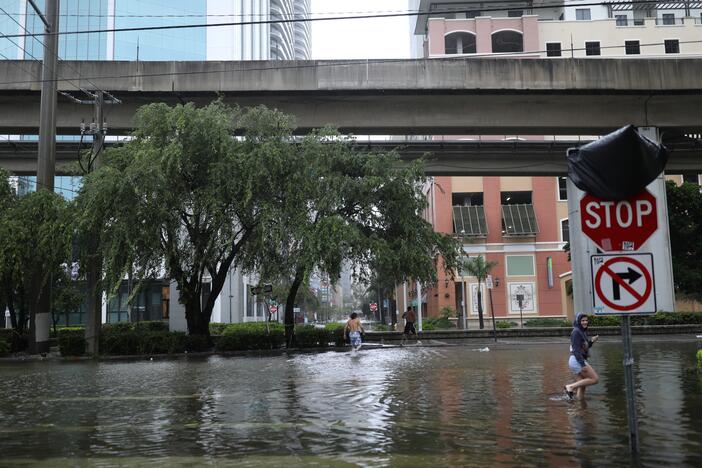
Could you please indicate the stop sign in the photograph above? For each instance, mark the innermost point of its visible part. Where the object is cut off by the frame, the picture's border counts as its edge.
(619, 225)
(373, 306)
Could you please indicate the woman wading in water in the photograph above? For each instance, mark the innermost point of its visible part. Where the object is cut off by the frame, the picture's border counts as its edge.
(580, 345)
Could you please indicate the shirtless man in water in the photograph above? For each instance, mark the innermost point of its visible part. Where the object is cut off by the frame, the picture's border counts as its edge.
(354, 328)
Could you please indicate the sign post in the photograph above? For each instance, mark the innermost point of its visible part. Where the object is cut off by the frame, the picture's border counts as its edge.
(488, 282)
(623, 283)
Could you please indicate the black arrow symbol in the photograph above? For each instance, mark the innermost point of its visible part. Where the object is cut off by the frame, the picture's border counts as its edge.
(631, 275)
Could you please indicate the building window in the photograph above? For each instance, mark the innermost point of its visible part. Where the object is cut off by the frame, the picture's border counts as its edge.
(582, 14)
(467, 199)
(460, 43)
(507, 41)
(632, 47)
(515, 198)
(565, 233)
(562, 188)
(553, 49)
(622, 20)
(592, 48)
(520, 265)
(690, 179)
(672, 46)
(668, 18)
(514, 13)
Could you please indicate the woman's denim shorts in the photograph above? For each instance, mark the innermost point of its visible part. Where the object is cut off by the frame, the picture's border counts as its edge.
(574, 365)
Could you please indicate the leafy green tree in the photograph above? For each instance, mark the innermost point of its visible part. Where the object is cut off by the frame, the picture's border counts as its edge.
(340, 203)
(685, 222)
(35, 233)
(480, 268)
(184, 196)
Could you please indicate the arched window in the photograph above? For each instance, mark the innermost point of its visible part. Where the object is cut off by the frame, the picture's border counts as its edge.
(507, 41)
(459, 43)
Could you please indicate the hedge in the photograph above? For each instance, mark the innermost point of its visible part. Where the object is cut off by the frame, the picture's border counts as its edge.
(17, 342)
(4, 348)
(699, 358)
(660, 318)
(217, 328)
(437, 323)
(505, 324)
(71, 341)
(309, 336)
(253, 335)
(336, 331)
(547, 322)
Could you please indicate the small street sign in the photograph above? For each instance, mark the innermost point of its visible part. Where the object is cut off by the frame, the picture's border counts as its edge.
(619, 225)
(274, 309)
(488, 281)
(373, 306)
(623, 284)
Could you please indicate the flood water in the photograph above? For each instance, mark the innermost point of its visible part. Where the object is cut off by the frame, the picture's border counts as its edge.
(411, 406)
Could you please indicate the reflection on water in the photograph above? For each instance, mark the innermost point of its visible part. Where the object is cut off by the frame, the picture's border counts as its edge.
(448, 406)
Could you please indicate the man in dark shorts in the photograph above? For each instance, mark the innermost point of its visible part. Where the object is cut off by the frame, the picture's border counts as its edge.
(409, 324)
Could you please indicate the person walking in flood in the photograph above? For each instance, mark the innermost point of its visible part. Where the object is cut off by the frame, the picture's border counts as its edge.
(354, 329)
(580, 344)
(409, 317)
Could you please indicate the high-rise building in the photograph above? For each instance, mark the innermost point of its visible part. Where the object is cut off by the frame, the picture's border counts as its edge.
(521, 223)
(257, 40)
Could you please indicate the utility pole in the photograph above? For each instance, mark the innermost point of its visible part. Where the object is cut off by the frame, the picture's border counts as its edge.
(94, 269)
(41, 307)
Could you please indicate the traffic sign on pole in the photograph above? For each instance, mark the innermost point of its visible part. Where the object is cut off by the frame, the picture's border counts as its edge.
(623, 284)
(623, 225)
(373, 306)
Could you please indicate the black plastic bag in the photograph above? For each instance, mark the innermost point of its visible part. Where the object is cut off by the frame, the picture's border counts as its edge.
(618, 165)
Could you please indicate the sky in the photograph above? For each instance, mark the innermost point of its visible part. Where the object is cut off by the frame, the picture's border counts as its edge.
(361, 38)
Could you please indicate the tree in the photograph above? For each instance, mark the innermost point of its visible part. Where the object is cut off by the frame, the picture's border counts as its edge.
(478, 267)
(184, 196)
(35, 233)
(685, 222)
(340, 204)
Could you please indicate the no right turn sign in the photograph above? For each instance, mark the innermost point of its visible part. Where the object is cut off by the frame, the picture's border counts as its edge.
(623, 284)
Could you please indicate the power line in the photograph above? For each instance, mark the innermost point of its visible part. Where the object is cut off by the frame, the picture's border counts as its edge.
(341, 63)
(59, 59)
(331, 18)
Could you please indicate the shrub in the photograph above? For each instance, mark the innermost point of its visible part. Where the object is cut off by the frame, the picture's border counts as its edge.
(151, 326)
(699, 358)
(603, 321)
(309, 336)
(217, 328)
(119, 341)
(336, 331)
(71, 341)
(505, 324)
(547, 322)
(253, 335)
(16, 341)
(197, 343)
(437, 323)
(381, 327)
(4, 348)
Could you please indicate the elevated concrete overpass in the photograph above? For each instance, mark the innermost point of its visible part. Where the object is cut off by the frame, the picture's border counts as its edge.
(434, 96)
(457, 158)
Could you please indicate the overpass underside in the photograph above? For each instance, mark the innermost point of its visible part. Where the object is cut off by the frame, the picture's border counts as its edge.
(395, 97)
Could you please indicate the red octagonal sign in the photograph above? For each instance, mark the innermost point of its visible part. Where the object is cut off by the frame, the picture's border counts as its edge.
(619, 225)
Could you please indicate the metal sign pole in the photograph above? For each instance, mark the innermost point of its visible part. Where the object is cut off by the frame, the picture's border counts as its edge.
(629, 384)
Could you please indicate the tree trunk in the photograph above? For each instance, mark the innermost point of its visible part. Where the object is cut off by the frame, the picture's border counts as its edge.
(197, 324)
(290, 308)
(480, 308)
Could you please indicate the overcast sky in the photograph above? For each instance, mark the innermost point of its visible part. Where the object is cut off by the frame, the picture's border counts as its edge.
(361, 38)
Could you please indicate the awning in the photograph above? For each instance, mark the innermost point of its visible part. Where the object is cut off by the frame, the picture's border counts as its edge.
(469, 221)
(519, 220)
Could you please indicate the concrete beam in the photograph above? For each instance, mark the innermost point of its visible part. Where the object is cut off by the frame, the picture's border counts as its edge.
(464, 158)
(436, 96)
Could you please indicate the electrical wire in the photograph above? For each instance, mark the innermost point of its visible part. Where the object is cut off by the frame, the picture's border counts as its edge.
(91, 95)
(330, 18)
